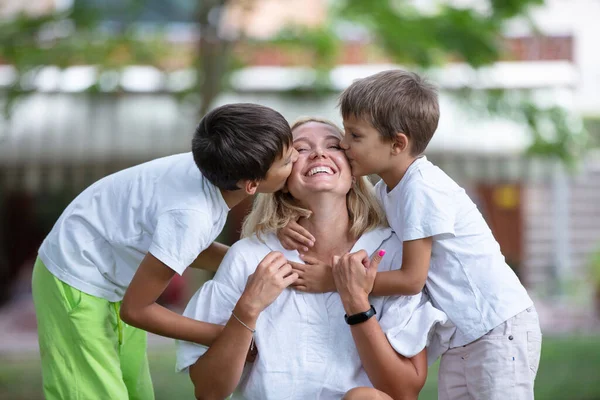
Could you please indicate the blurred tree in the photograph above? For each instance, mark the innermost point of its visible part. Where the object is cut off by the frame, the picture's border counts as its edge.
(106, 33)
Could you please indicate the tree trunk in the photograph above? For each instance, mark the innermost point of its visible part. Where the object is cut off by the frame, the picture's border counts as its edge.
(213, 52)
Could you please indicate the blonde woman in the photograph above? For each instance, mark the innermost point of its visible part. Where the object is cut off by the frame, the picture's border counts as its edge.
(312, 345)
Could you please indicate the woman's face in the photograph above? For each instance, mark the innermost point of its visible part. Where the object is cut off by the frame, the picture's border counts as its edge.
(322, 165)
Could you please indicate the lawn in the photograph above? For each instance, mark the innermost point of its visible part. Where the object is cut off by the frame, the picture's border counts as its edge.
(569, 369)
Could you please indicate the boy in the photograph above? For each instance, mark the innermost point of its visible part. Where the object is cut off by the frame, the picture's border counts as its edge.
(389, 119)
(115, 248)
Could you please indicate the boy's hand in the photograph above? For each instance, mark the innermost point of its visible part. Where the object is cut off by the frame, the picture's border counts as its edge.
(295, 237)
(314, 276)
(252, 353)
(354, 276)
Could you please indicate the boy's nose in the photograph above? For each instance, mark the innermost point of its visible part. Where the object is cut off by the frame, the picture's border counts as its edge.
(343, 144)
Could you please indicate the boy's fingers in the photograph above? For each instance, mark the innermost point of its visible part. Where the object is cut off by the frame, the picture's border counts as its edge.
(293, 277)
(298, 267)
(310, 260)
(335, 260)
(306, 234)
(288, 244)
(299, 282)
(300, 239)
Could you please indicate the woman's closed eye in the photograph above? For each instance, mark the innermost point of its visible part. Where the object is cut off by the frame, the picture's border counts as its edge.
(302, 149)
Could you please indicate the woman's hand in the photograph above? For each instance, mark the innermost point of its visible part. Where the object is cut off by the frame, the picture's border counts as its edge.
(314, 276)
(272, 275)
(295, 237)
(354, 276)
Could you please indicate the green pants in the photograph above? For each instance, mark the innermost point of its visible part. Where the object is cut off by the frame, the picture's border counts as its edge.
(87, 352)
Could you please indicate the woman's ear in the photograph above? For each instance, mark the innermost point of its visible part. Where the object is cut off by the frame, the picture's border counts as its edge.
(400, 143)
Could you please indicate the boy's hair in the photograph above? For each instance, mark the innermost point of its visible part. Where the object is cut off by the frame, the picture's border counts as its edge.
(239, 142)
(393, 102)
(273, 211)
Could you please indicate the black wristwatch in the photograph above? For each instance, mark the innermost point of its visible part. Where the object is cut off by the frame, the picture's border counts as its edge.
(360, 317)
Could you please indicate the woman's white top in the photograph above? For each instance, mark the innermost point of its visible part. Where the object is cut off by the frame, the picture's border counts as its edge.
(306, 349)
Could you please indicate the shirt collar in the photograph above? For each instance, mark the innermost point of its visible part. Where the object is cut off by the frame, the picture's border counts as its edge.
(369, 241)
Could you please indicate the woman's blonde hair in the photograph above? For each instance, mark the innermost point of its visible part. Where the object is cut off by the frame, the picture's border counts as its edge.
(273, 211)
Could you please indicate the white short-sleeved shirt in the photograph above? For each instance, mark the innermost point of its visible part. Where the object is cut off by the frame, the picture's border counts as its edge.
(468, 277)
(165, 207)
(305, 348)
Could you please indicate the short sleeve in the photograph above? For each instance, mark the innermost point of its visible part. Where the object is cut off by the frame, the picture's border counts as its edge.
(212, 303)
(427, 212)
(179, 237)
(215, 300)
(412, 323)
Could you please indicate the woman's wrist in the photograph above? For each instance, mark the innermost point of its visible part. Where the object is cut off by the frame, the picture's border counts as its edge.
(246, 311)
(356, 304)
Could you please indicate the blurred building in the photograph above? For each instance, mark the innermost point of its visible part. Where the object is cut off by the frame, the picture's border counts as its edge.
(547, 220)
(10, 8)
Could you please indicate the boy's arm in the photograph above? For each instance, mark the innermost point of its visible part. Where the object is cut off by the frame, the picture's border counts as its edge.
(211, 257)
(410, 279)
(139, 306)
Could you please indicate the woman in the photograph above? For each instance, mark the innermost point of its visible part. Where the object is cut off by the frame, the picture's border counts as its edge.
(307, 350)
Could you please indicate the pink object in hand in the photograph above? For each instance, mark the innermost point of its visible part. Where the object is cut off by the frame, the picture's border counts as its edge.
(381, 253)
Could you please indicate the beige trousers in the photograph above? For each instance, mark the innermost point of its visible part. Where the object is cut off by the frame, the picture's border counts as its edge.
(502, 364)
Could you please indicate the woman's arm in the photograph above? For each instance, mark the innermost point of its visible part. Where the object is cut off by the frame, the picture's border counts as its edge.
(398, 376)
(216, 374)
(390, 372)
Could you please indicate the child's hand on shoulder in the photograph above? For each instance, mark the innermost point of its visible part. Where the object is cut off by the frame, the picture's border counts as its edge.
(314, 276)
(295, 237)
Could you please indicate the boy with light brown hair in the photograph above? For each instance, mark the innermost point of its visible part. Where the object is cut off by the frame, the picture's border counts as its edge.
(389, 119)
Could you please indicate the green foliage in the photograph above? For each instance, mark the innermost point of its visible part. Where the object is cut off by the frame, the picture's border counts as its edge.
(405, 34)
(568, 369)
(553, 130)
(413, 38)
(594, 267)
(592, 125)
(70, 38)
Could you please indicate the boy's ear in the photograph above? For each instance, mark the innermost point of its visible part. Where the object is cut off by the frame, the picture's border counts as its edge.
(400, 143)
(249, 186)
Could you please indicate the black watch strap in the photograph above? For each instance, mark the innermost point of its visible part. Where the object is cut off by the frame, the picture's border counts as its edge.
(360, 317)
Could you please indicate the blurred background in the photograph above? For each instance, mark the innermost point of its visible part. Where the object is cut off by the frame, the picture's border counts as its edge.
(89, 87)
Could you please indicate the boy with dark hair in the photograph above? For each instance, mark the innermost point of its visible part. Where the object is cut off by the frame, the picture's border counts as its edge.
(115, 248)
(389, 119)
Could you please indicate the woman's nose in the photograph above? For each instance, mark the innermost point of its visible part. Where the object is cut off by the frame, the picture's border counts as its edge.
(318, 152)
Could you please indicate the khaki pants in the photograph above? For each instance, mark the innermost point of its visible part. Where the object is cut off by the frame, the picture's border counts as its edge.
(502, 364)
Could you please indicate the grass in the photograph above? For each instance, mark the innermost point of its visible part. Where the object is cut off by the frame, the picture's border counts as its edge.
(569, 369)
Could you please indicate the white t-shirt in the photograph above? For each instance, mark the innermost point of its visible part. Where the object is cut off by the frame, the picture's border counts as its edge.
(468, 277)
(305, 348)
(165, 207)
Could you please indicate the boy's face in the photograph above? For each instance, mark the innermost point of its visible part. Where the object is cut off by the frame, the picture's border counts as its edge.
(279, 172)
(365, 148)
